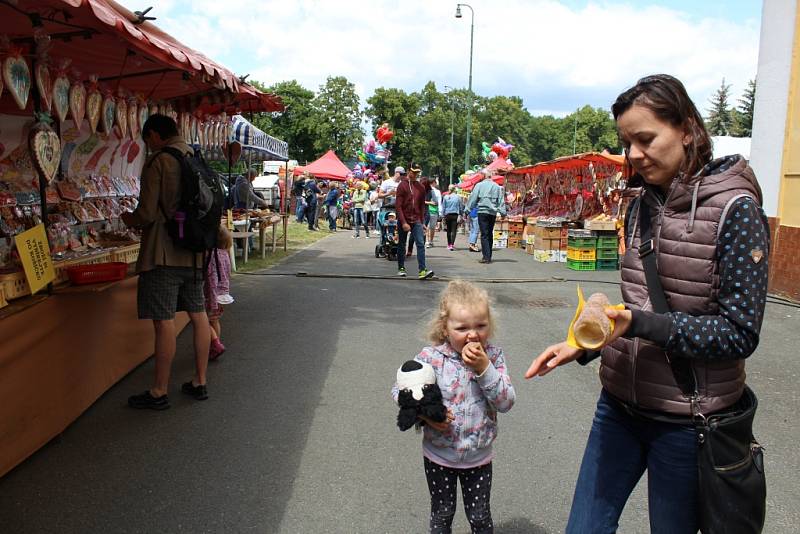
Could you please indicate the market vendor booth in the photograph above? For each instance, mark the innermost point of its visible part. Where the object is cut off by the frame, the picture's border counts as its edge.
(80, 77)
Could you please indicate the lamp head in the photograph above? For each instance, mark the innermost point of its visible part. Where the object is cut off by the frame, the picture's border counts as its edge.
(458, 11)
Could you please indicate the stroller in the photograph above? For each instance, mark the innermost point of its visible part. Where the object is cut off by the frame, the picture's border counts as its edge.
(387, 248)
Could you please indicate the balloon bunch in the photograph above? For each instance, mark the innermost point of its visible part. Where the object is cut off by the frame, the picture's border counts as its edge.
(499, 149)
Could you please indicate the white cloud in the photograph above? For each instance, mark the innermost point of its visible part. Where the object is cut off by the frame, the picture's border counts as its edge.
(556, 57)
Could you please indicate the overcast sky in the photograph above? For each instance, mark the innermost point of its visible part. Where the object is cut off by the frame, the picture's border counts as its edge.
(556, 55)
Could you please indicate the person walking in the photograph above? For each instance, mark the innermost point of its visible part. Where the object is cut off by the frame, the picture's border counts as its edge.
(300, 204)
(359, 199)
(698, 229)
(217, 289)
(387, 193)
(331, 205)
(170, 277)
(434, 204)
(411, 213)
(312, 195)
(452, 208)
(472, 375)
(473, 229)
(487, 196)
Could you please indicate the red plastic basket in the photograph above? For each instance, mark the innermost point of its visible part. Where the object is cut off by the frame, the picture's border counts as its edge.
(96, 273)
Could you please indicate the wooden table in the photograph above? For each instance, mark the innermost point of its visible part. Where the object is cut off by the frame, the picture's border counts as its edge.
(271, 221)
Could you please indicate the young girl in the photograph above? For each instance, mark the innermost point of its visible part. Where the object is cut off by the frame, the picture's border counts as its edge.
(475, 386)
(217, 288)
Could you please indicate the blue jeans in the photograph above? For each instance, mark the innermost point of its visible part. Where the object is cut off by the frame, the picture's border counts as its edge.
(358, 220)
(486, 224)
(418, 235)
(621, 447)
(473, 230)
(299, 211)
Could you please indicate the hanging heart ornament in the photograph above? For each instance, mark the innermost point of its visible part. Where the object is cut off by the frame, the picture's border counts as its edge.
(122, 117)
(46, 150)
(77, 103)
(17, 77)
(45, 85)
(94, 104)
(107, 115)
(61, 97)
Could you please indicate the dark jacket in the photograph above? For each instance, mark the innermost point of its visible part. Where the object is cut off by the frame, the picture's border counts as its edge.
(711, 242)
(410, 204)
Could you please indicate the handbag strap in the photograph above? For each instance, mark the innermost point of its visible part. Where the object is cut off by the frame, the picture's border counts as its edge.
(681, 368)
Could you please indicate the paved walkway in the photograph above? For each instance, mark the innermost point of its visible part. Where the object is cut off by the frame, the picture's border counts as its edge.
(299, 434)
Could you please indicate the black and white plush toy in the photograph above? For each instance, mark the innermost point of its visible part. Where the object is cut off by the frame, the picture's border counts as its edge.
(419, 394)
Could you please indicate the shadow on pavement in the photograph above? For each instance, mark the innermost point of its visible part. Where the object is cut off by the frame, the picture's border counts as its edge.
(519, 526)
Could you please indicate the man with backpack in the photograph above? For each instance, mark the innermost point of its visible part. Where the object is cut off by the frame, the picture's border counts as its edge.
(170, 272)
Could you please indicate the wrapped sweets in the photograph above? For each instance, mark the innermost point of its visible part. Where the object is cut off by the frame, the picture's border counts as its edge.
(592, 328)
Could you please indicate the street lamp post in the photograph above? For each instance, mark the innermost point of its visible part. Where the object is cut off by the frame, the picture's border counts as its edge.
(452, 129)
(469, 88)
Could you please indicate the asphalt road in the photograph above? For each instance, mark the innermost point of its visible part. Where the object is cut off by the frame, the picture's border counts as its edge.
(299, 433)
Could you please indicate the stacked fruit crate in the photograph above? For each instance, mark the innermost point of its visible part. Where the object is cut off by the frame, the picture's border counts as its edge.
(607, 251)
(581, 250)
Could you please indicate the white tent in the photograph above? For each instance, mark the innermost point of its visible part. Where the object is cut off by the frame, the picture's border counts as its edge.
(725, 145)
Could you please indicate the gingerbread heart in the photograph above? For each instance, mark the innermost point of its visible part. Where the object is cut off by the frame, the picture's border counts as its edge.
(107, 115)
(122, 117)
(46, 150)
(77, 103)
(133, 120)
(44, 83)
(144, 112)
(61, 97)
(17, 77)
(94, 104)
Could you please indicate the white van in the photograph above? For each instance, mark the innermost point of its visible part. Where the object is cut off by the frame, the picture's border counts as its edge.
(267, 186)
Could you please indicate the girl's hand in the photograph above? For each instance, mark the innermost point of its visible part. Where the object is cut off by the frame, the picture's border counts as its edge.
(475, 357)
(441, 427)
(552, 357)
(622, 322)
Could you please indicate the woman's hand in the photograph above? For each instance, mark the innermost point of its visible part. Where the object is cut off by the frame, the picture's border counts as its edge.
(622, 322)
(441, 427)
(552, 357)
(475, 357)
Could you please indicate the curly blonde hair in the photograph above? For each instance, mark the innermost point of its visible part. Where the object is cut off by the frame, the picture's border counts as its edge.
(458, 293)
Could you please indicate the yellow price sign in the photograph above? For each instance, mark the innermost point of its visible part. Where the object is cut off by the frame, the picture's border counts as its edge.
(34, 251)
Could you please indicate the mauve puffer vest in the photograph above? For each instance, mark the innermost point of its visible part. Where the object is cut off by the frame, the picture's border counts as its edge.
(685, 232)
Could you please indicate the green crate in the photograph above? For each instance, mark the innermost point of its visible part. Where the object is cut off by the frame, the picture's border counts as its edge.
(581, 242)
(607, 265)
(607, 253)
(576, 265)
(607, 242)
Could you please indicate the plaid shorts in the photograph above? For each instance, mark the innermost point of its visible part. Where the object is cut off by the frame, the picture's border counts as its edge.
(166, 290)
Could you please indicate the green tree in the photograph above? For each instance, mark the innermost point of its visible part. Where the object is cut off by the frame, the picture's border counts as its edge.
(743, 115)
(587, 130)
(339, 118)
(545, 135)
(720, 118)
(297, 124)
(504, 117)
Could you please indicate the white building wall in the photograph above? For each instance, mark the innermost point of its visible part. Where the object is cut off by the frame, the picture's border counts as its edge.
(772, 96)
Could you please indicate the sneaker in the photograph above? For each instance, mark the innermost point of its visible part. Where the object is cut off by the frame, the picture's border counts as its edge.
(450, 247)
(148, 401)
(366, 236)
(428, 244)
(484, 260)
(424, 274)
(401, 271)
(198, 392)
(355, 237)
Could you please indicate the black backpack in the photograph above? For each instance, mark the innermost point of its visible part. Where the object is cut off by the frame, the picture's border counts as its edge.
(195, 224)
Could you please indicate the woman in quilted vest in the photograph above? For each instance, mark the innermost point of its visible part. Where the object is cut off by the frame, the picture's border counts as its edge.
(710, 239)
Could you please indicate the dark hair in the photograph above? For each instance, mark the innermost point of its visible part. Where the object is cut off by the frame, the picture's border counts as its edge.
(667, 98)
(160, 124)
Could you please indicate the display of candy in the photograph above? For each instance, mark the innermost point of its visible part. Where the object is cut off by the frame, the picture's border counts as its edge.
(7, 199)
(68, 190)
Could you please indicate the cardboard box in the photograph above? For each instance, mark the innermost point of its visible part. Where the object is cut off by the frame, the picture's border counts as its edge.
(545, 256)
(501, 226)
(548, 233)
(529, 248)
(499, 244)
(500, 235)
(514, 226)
(562, 256)
(513, 242)
(546, 244)
(599, 224)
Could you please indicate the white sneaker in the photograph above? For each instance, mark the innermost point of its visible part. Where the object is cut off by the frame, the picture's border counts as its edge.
(366, 236)
(428, 245)
(355, 237)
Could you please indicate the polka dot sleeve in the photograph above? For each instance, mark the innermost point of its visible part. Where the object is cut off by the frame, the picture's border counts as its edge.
(743, 250)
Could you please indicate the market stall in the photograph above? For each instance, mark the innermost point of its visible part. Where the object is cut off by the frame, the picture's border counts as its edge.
(80, 78)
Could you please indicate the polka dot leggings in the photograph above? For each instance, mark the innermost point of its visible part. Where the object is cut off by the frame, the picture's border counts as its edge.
(476, 487)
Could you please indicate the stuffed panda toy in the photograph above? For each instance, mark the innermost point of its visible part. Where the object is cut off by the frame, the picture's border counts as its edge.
(419, 395)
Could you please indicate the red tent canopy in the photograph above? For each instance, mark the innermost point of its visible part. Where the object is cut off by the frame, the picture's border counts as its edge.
(570, 162)
(328, 166)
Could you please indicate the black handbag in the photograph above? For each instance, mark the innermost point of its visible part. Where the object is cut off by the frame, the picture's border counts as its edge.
(732, 486)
